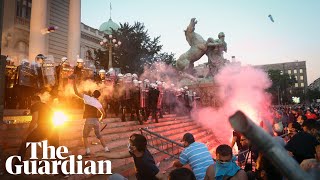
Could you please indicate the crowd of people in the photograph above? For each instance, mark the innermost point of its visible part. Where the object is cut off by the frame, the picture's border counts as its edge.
(295, 128)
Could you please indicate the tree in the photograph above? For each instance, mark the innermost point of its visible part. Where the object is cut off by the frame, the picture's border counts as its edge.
(313, 94)
(281, 83)
(137, 49)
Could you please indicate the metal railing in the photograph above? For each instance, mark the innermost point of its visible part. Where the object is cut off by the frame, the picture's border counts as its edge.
(162, 144)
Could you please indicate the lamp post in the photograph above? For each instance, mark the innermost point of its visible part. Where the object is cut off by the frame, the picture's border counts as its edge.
(109, 43)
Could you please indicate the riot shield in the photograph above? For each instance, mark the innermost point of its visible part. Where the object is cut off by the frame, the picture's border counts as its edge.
(26, 76)
(10, 74)
(48, 73)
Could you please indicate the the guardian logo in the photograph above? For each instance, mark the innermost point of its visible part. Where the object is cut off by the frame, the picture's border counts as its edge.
(50, 165)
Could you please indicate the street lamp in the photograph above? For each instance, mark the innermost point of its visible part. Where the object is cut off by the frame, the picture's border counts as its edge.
(109, 43)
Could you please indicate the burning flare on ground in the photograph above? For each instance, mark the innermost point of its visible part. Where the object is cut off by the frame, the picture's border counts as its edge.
(59, 118)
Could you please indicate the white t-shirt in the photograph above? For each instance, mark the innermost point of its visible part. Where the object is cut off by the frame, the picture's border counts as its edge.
(92, 101)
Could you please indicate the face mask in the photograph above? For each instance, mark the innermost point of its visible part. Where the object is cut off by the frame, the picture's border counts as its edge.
(224, 165)
(227, 168)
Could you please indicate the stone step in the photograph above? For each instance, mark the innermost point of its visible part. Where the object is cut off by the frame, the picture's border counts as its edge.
(125, 166)
(128, 169)
(116, 140)
(78, 142)
(116, 134)
(124, 140)
(118, 127)
(122, 135)
(10, 133)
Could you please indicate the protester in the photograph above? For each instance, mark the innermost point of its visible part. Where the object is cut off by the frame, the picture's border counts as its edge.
(225, 166)
(91, 108)
(195, 154)
(265, 170)
(236, 139)
(41, 126)
(308, 164)
(301, 145)
(145, 166)
(310, 115)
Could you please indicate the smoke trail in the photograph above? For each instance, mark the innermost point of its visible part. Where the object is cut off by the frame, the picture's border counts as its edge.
(240, 88)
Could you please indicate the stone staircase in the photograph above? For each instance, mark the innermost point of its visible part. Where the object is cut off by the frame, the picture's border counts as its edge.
(116, 135)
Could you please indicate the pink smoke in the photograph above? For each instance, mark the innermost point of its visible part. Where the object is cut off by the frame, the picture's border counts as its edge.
(240, 88)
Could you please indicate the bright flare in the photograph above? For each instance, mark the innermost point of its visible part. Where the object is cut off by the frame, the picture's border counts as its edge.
(59, 118)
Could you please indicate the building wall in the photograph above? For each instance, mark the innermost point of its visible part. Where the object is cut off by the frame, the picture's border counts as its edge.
(296, 68)
(58, 16)
(15, 36)
(90, 40)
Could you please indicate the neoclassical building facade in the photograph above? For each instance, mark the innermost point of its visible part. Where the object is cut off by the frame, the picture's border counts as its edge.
(25, 30)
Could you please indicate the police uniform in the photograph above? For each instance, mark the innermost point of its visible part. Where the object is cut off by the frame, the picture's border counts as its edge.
(135, 99)
(153, 97)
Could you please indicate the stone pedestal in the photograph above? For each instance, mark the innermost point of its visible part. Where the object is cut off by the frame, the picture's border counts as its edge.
(208, 93)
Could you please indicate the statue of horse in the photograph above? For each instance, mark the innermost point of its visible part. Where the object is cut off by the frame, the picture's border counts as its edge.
(197, 50)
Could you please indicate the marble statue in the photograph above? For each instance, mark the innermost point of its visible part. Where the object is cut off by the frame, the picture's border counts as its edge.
(215, 50)
(197, 49)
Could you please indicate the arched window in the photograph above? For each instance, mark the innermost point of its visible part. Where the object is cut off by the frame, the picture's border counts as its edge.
(89, 55)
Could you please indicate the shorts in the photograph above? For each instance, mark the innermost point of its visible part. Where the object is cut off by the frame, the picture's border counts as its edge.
(89, 124)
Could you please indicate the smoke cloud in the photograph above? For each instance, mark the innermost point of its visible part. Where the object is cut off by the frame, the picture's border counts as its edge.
(240, 88)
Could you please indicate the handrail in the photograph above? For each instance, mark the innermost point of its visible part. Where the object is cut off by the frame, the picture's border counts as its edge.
(160, 146)
(159, 136)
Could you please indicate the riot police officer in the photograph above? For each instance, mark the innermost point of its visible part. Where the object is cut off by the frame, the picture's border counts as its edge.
(102, 76)
(39, 60)
(144, 98)
(78, 69)
(153, 97)
(10, 101)
(160, 98)
(126, 102)
(117, 95)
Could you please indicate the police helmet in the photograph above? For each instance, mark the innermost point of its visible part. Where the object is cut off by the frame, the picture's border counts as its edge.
(102, 71)
(79, 60)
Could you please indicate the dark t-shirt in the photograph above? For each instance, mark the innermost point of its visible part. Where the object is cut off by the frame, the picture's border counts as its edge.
(153, 98)
(45, 114)
(145, 166)
(302, 145)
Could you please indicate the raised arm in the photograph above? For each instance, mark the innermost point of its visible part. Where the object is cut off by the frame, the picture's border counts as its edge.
(79, 95)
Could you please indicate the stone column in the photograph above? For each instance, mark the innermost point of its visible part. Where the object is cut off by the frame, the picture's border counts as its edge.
(74, 30)
(38, 22)
(110, 57)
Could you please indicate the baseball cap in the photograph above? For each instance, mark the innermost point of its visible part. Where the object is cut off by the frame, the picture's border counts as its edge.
(188, 137)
